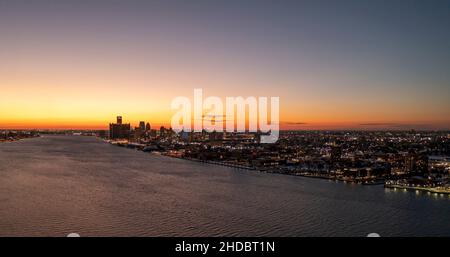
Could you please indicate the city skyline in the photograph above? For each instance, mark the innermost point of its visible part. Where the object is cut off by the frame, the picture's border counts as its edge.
(225, 127)
(348, 65)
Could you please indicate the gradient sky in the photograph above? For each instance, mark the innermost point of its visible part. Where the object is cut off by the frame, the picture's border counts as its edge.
(334, 64)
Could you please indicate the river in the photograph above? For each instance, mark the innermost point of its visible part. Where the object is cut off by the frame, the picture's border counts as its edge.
(56, 185)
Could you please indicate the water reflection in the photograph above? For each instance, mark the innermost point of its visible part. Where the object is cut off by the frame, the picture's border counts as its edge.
(58, 185)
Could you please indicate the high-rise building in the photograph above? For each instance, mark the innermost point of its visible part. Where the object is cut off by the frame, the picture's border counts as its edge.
(119, 130)
(142, 126)
(148, 127)
(410, 162)
(416, 163)
(162, 131)
(139, 131)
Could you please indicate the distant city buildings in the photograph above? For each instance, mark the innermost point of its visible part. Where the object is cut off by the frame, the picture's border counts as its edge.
(142, 125)
(8, 136)
(142, 133)
(364, 157)
(119, 130)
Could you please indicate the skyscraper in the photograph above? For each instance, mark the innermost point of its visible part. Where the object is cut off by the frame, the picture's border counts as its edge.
(142, 126)
(119, 130)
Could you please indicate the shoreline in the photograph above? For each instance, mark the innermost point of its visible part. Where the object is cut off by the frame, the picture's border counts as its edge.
(375, 182)
(435, 191)
(17, 139)
(237, 166)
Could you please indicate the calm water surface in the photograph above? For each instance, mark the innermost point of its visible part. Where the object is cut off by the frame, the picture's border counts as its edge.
(55, 185)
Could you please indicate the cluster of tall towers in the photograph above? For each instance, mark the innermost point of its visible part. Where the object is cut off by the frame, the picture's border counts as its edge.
(120, 130)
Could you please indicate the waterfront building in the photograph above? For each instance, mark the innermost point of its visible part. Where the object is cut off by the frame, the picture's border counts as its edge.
(439, 164)
(119, 130)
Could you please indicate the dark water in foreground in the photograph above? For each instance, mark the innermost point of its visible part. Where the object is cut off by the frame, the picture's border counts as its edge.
(56, 185)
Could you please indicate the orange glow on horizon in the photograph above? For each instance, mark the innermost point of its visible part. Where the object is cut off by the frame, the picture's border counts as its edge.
(39, 106)
(60, 71)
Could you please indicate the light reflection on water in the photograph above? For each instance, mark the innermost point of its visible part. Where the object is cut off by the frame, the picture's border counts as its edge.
(57, 185)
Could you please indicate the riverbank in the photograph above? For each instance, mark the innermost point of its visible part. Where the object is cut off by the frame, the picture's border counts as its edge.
(279, 171)
(15, 139)
(343, 179)
(433, 190)
(283, 171)
(231, 165)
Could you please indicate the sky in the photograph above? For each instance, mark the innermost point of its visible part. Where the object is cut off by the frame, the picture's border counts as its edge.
(334, 64)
